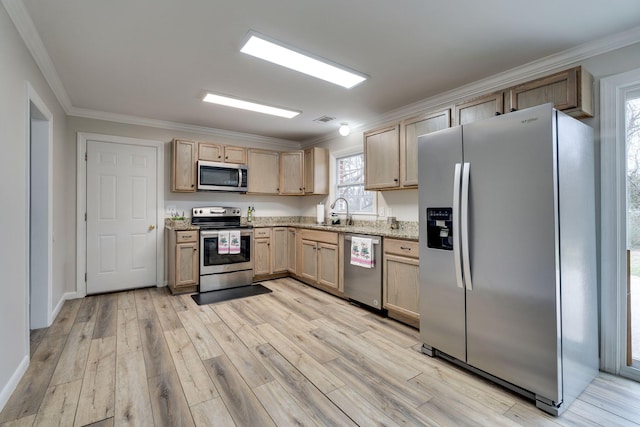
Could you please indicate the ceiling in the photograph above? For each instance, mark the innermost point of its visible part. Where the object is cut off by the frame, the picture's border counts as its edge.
(154, 59)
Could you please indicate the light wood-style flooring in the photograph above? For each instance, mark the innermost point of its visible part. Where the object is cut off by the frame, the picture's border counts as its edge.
(296, 356)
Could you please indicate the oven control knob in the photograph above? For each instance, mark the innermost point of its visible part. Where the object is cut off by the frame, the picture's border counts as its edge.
(200, 210)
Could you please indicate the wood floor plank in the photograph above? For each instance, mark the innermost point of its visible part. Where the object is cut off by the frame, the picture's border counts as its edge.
(31, 389)
(132, 398)
(283, 409)
(154, 346)
(88, 309)
(97, 395)
(249, 367)
(128, 331)
(212, 413)
(63, 323)
(182, 302)
(59, 404)
(242, 328)
(315, 404)
(246, 312)
(374, 389)
(108, 422)
(107, 318)
(204, 342)
(358, 408)
(584, 414)
(144, 304)
(164, 309)
(321, 377)
(526, 414)
(242, 404)
(193, 376)
(35, 338)
(126, 300)
(73, 359)
(20, 422)
(168, 403)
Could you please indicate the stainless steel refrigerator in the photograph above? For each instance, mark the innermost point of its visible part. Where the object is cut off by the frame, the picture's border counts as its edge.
(508, 252)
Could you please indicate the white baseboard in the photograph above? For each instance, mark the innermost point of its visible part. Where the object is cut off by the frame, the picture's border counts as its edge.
(58, 307)
(10, 387)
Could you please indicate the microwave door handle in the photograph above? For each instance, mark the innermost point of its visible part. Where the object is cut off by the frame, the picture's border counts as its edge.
(239, 178)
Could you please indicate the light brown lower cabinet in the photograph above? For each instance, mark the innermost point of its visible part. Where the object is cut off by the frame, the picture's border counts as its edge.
(291, 249)
(182, 260)
(270, 254)
(318, 259)
(401, 285)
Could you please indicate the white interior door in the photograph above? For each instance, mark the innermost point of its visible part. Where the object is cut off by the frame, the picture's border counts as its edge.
(121, 216)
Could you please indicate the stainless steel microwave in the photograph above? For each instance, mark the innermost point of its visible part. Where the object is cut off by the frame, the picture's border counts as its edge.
(214, 176)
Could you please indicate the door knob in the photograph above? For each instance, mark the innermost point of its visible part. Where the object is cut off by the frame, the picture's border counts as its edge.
(152, 227)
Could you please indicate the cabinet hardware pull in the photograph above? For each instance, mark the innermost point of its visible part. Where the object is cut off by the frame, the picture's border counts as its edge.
(405, 248)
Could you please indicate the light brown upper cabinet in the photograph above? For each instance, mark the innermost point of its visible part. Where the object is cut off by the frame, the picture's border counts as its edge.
(221, 153)
(263, 169)
(316, 170)
(382, 158)
(479, 108)
(410, 130)
(570, 91)
(183, 165)
(292, 173)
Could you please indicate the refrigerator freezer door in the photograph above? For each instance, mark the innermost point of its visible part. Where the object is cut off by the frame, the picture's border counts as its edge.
(513, 325)
(442, 316)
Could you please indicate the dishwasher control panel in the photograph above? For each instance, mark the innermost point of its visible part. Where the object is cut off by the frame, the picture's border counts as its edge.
(440, 228)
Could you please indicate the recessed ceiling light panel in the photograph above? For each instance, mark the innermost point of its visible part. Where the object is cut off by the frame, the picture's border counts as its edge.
(276, 52)
(248, 105)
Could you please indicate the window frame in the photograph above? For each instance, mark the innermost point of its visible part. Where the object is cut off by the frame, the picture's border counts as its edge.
(336, 186)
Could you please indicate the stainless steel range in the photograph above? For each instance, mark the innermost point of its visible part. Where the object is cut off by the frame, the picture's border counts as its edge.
(225, 248)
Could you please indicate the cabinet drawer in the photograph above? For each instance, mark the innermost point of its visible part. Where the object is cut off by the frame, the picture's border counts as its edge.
(187, 236)
(320, 236)
(261, 232)
(406, 248)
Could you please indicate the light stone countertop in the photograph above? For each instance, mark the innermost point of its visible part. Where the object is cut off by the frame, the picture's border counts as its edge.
(406, 230)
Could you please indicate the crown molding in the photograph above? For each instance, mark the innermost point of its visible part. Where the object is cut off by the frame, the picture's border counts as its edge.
(182, 127)
(23, 23)
(499, 81)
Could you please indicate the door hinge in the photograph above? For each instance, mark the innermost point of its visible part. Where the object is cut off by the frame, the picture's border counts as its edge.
(85, 216)
(85, 277)
(85, 156)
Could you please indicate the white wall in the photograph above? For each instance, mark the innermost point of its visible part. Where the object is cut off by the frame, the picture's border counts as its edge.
(16, 69)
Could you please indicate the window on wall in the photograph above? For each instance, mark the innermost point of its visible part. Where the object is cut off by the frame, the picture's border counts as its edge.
(350, 185)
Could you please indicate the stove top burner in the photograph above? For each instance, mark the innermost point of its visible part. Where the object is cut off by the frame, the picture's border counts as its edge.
(216, 217)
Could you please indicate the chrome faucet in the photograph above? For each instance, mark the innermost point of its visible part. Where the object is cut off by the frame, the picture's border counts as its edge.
(349, 220)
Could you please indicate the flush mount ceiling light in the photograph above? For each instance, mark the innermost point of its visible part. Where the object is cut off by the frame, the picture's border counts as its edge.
(248, 105)
(279, 53)
(344, 129)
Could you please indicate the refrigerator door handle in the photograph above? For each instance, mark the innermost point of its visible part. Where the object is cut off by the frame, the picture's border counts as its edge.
(456, 225)
(464, 225)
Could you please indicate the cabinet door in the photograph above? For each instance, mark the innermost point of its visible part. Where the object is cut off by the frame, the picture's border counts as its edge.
(262, 256)
(309, 260)
(291, 173)
(183, 166)
(570, 91)
(235, 154)
(401, 285)
(479, 108)
(316, 170)
(210, 152)
(382, 158)
(291, 250)
(279, 254)
(263, 172)
(186, 264)
(410, 130)
(328, 265)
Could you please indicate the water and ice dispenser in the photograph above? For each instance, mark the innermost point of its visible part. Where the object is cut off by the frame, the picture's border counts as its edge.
(440, 228)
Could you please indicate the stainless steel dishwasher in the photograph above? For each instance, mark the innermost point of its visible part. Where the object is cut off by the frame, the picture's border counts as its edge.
(363, 284)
